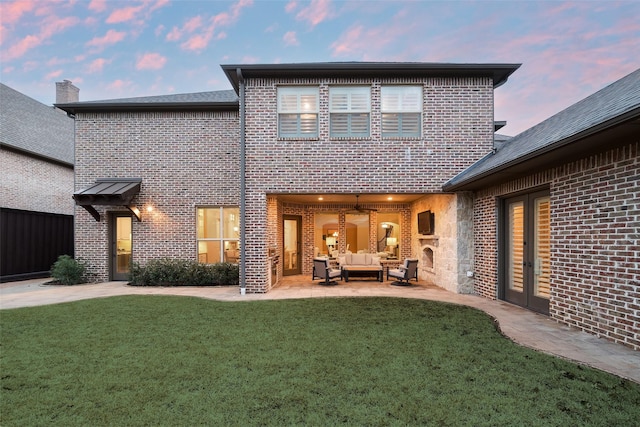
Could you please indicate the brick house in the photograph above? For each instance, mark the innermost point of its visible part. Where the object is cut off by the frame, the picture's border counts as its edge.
(36, 211)
(306, 159)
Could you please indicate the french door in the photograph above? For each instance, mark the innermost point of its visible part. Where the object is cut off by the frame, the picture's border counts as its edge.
(526, 258)
(292, 246)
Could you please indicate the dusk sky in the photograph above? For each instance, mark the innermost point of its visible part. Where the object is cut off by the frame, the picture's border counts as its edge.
(115, 49)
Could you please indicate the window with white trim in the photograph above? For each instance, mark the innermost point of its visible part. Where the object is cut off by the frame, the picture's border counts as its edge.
(349, 111)
(218, 234)
(401, 111)
(298, 112)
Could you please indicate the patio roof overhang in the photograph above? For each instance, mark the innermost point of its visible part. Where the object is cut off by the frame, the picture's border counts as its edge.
(110, 191)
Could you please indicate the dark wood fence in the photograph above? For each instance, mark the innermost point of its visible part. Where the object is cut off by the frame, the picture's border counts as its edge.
(30, 242)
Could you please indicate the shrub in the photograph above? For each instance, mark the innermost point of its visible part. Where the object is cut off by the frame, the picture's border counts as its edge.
(68, 271)
(176, 272)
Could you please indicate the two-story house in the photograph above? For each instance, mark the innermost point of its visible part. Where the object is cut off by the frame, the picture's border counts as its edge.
(322, 158)
(292, 150)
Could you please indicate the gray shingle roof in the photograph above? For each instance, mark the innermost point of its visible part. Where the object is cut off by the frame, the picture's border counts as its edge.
(214, 99)
(615, 100)
(28, 125)
(197, 97)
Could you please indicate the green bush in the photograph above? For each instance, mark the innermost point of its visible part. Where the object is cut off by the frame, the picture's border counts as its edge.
(68, 271)
(177, 272)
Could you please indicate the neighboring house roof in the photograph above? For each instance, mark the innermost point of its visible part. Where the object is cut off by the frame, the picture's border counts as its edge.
(216, 100)
(498, 72)
(605, 119)
(31, 127)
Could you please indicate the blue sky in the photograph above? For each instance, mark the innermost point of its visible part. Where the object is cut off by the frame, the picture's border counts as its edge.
(123, 48)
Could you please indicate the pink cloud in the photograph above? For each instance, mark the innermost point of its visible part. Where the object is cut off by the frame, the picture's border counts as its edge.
(151, 61)
(174, 35)
(350, 41)
(53, 25)
(200, 41)
(53, 75)
(11, 12)
(48, 28)
(197, 42)
(20, 48)
(111, 37)
(123, 15)
(290, 39)
(158, 4)
(97, 5)
(97, 65)
(4, 32)
(316, 12)
(159, 30)
(291, 6)
(189, 27)
(193, 24)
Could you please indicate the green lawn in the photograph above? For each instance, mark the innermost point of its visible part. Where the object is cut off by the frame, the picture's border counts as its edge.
(159, 360)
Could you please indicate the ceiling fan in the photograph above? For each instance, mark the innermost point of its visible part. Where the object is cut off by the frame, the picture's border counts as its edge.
(358, 209)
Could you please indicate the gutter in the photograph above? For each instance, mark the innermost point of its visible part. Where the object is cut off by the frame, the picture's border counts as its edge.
(74, 108)
(243, 186)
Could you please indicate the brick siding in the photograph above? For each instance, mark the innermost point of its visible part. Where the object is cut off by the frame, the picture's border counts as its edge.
(35, 185)
(185, 160)
(595, 235)
(457, 131)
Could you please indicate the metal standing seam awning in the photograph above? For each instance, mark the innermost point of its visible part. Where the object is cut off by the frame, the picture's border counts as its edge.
(109, 191)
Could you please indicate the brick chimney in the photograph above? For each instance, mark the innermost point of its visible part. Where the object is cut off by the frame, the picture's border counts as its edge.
(66, 92)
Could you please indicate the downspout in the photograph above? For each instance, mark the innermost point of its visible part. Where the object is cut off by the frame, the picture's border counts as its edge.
(243, 206)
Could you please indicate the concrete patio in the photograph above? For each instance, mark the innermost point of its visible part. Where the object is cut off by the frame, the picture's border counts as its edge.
(522, 326)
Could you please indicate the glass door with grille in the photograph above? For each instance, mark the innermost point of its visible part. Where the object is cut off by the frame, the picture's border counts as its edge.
(526, 257)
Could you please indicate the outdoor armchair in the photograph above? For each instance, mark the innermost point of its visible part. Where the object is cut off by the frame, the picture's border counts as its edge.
(322, 270)
(404, 273)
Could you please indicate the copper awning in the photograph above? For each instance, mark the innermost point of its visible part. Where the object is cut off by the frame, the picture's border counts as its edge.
(109, 191)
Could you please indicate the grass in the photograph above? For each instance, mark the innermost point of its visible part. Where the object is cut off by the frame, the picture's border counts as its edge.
(158, 360)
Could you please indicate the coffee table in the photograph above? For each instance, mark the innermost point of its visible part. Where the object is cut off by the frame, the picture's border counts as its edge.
(362, 271)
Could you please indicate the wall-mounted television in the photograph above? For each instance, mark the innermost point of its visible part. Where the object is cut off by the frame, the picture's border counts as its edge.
(426, 222)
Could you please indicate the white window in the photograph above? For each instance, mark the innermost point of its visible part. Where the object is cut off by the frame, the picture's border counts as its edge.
(298, 112)
(349, 110)
(401, 111)
(218, 234)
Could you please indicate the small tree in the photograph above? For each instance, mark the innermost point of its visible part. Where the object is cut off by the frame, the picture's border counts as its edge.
(68, 271)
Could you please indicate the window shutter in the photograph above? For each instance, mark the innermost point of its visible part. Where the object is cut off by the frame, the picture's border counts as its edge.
(298, 111)
(349, 108)
(401, 111)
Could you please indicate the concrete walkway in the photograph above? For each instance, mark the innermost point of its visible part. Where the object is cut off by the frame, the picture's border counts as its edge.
(522, 326)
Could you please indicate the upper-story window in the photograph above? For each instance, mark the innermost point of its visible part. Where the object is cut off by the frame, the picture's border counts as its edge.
(349, 110)
(298, 112)
(401, 111)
